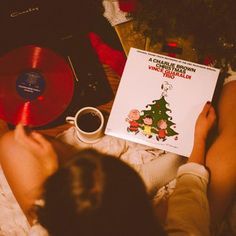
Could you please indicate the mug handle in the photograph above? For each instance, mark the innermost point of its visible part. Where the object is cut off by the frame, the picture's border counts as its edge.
(70, 119)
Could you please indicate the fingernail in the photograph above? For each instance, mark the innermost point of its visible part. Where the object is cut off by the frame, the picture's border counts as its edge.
(208, 102)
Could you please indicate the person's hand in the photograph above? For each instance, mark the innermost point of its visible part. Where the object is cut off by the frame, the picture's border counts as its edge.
(38, 146)
(205, 122)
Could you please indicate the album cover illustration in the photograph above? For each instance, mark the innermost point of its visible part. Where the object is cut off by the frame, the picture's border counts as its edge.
(159, 99)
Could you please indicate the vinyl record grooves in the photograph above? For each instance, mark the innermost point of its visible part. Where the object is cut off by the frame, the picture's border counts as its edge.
(36, 86)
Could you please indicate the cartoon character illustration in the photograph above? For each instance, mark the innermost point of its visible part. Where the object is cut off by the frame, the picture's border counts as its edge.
(147, 126)
(161, 130)
(133, 116)
(157, 117)
(165, 87)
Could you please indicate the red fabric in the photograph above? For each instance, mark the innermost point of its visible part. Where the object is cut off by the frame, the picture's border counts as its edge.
(127, 5)
(114, 58)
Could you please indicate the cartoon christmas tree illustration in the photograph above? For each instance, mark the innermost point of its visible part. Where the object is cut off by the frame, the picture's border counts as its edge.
(159, 111)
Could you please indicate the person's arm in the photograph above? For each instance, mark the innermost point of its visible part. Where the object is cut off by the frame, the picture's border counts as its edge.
(204, 123)
(27, 159)
(188, 210)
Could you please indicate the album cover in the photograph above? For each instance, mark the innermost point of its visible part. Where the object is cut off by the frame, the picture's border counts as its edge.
(159, 99)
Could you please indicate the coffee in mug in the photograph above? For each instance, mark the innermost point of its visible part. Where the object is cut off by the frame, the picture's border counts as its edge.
(89, 122)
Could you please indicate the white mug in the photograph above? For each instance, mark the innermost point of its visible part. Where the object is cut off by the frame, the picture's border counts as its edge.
(89, 123)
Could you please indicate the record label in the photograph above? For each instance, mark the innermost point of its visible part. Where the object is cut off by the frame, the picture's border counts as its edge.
(30, 85)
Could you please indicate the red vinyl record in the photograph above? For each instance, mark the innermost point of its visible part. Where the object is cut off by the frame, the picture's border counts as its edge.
(36, 86)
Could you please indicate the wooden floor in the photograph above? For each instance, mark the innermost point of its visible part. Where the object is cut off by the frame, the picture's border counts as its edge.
(114, 80)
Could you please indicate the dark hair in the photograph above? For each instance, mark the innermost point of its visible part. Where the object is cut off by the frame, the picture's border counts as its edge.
(97, 194)
(148, 116)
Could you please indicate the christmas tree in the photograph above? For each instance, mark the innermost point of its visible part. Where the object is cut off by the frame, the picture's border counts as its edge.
(159, 110)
